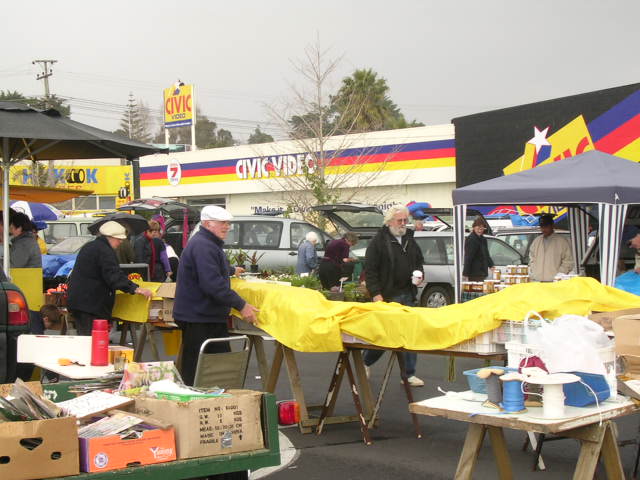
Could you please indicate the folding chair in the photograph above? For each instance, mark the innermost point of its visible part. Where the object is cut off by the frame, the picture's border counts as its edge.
(224, 369)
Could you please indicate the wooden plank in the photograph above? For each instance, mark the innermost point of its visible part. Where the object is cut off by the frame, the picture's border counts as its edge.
(356, 401)
(589, 454)
(363, 382)
(332, 392)
(296, 385)
(611, 454)
(470, 451)
(257, 343)
(525, 423)
(408, 392)
(274, 373)
(500, 453)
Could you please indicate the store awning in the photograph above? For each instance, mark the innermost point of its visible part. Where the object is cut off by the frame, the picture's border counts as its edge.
(44, 194)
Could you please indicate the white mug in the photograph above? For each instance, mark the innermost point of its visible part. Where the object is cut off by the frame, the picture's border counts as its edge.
(416, 277)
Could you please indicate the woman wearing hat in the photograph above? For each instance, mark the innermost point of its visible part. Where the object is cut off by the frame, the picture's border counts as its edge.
(96, 276)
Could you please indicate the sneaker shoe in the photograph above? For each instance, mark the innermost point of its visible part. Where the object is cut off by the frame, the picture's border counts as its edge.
(367, 371)
(414, 381)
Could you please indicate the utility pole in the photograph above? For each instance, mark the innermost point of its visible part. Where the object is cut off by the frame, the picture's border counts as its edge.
(46, 73)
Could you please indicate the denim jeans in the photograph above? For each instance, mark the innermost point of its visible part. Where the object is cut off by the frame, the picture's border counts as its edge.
(410, 359)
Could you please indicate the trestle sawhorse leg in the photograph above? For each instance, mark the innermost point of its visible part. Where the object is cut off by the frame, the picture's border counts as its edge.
(597, 441)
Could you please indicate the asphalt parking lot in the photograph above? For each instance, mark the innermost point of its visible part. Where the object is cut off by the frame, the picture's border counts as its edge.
(339, 453)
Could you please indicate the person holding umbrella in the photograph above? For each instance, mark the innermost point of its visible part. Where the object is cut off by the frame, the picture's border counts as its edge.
(97, 275)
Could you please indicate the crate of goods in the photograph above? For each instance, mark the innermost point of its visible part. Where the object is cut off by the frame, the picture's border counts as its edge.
(518, 331)
(483, 343)
(516, 352)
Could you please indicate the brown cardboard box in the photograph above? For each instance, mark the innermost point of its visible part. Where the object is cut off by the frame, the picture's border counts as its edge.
(55, 456)
(168, 293)
(627, 331)
(605, 319)
(212, 426)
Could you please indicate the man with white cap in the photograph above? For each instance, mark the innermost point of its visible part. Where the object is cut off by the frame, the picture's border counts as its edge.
(203, 293)
(96, 276)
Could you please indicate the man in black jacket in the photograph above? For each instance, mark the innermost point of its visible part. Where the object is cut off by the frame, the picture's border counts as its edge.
(392, 257)
(96, 276)
(203, 292)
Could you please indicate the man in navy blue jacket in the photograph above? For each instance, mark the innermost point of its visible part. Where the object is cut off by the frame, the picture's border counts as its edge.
(203, 292)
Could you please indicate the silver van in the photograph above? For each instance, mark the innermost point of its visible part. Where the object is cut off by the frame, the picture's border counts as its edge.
(275, 238)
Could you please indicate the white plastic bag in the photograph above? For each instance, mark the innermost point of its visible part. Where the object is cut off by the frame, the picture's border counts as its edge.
(571, 344)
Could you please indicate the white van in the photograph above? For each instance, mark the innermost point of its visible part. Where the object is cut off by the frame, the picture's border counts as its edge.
(58, 230)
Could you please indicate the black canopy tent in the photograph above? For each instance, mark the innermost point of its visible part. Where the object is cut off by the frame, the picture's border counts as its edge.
(27, 133)
(593, 177)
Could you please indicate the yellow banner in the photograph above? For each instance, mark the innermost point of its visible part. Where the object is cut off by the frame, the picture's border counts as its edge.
(101, 179)
(179, 106)
(572, 139)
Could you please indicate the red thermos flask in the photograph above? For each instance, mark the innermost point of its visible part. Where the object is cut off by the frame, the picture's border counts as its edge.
(100, 343)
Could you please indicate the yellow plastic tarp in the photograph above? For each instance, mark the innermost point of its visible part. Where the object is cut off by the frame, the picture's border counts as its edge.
(304, 320)
(29, 280)
(134, 308)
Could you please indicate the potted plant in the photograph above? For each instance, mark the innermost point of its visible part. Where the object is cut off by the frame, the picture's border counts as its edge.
(237, 258)
(254, 258)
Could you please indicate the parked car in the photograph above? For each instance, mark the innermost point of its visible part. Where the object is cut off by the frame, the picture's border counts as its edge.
(436, 246)
(14, 321)
(275, 238)
(174, 213)
(439, 273)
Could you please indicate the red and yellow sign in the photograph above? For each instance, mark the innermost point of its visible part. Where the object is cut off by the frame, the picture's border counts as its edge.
(179, 106)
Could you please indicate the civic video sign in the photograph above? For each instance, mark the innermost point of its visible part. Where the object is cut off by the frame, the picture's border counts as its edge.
(179, 106)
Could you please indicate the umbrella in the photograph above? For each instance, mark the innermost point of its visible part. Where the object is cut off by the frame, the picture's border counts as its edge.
(135, 224)
(28, 133)
(37, 211)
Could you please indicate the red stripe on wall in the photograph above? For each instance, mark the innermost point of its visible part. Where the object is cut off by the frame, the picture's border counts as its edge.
(340, 161)
(620, 137)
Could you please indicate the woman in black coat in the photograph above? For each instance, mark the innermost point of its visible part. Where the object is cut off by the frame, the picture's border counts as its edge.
(477, 260)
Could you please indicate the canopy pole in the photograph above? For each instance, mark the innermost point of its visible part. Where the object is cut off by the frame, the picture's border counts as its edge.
(6, 167)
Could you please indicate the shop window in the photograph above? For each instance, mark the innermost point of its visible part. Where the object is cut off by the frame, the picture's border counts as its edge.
(107, 202)
(89, 202)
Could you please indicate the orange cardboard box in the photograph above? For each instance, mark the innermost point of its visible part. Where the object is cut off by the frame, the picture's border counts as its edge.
(156, 445)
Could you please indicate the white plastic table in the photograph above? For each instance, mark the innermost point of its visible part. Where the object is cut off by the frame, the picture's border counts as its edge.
(76, 372)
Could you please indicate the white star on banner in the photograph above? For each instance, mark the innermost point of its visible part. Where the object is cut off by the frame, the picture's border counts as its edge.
(539, 138)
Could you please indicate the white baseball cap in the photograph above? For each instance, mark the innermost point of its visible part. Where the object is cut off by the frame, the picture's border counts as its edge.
(213, 212)
(113, 229)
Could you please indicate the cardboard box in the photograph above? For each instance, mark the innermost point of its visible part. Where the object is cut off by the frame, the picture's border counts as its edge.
(168, 293)
(605, 319)
(627, 332)
(156, 445)
(212, 426)
(56, 453)
(35, 387)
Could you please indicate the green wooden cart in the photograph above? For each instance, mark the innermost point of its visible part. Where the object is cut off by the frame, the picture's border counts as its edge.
(195, 467)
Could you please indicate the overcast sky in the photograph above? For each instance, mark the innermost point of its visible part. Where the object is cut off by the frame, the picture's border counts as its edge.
(442, 59)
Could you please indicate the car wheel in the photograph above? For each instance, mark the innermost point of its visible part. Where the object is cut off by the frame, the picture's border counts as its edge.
(435, 296)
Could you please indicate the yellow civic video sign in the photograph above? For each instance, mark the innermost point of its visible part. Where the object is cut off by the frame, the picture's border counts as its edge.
(179, 106)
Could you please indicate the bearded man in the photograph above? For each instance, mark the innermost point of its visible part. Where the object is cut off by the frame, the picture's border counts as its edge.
(392, 256)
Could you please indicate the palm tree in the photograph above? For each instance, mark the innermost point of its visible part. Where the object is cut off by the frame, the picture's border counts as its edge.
(362, 104)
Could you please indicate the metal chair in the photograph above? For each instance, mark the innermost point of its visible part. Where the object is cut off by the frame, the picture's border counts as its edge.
(223, 369)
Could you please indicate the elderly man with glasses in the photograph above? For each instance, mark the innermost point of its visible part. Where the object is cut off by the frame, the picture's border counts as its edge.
(391, 258)
(203, 293)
